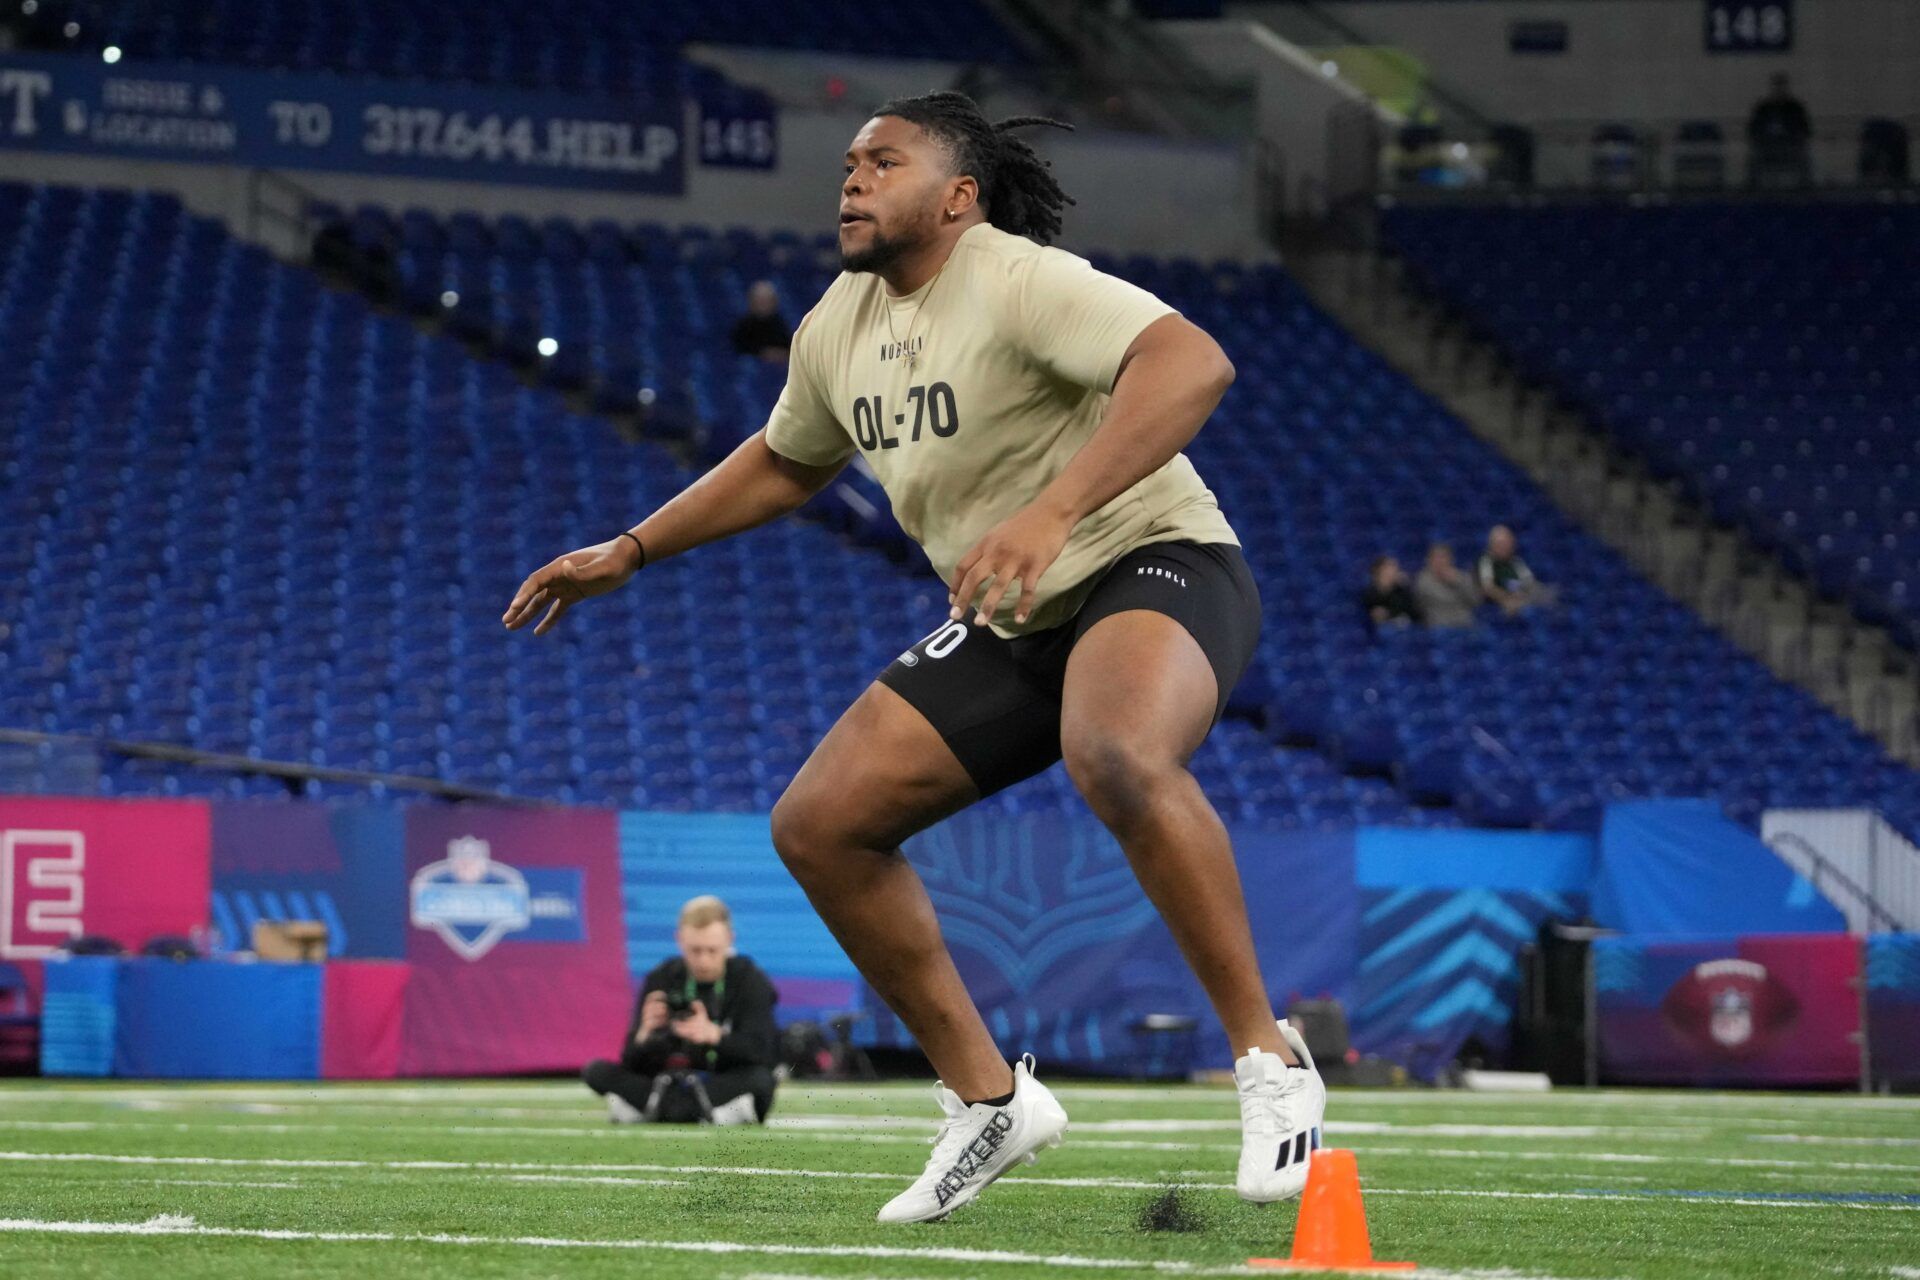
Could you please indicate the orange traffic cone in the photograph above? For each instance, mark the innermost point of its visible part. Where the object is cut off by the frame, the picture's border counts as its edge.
(1331, 1234)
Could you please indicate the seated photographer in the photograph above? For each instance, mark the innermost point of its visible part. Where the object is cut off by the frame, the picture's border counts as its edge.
(702, 1044)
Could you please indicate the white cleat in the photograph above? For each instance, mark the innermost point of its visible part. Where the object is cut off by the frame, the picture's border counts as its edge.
(620, 1111)
(1282, 1109)
(978, 1143)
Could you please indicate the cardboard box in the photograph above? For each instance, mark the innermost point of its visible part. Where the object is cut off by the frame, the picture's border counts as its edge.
(290, 941)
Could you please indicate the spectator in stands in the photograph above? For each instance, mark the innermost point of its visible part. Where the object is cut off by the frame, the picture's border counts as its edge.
(1505, 578)
(1778, 134)
(1445, 595)
(702, 1043)
(1388, 600)
(763, 330)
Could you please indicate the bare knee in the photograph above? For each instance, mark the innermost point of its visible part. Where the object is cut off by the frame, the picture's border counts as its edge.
(805, 834)
(1121, 777)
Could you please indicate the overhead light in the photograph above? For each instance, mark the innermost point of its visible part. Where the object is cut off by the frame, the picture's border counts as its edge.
(646, 395)
(449, 299)
(110, 54)
(548, 346)
(1459, 150)
(29, 7)
(71, 30)
(1329, 68)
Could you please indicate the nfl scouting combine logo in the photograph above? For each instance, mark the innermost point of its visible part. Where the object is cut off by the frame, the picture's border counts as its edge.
(474, 902)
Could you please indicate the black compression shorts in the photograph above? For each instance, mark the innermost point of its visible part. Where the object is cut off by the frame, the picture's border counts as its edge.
(996, 702)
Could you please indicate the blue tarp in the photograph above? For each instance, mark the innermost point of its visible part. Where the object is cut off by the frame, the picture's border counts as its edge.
(199, 1021)
(1680, 867)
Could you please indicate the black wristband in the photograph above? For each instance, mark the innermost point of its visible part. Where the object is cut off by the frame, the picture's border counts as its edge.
(639, 546)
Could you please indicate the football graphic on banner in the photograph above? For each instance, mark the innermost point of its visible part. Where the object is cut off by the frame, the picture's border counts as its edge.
(1731, 1007)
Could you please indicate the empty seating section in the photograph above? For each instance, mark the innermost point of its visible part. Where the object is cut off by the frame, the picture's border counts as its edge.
(242, 511)
(1322, 456)
(1765, 356)
(249, 513)
(593, 46)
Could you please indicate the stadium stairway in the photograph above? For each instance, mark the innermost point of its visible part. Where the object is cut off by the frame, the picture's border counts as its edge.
(1747, 592)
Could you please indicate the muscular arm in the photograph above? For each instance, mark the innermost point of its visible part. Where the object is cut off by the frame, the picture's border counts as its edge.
(1170, 380)
(750, 487)
(1171, 377)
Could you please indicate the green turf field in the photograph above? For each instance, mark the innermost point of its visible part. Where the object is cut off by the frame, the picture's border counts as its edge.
(511, 1179)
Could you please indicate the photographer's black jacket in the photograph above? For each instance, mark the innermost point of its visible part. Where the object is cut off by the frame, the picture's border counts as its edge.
(744, 1010)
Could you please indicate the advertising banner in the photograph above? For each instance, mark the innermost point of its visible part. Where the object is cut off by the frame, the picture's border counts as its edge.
(343, 865)
(215, 114)
(667, 858)
(1067, 958)
(130, 870)
(1893, 1006)
(515, 940)
(1773, 1009)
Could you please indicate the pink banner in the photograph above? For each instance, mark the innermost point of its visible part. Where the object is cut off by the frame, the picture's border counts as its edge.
(516, 940)
(129, 870)
(362, 1019)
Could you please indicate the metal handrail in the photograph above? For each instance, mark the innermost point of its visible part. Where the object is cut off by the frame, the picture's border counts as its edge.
(1881, 919)
(225, 762)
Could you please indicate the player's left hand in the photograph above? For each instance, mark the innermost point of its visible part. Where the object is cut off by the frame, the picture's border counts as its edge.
(1022, 546)
(697, 1026)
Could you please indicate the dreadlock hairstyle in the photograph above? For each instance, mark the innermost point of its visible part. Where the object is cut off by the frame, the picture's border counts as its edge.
(1017, 187)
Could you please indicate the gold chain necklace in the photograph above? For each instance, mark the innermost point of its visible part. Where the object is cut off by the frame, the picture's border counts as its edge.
(913, 357)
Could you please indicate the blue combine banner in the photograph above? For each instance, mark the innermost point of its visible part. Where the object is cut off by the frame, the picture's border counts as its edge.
(212, 114)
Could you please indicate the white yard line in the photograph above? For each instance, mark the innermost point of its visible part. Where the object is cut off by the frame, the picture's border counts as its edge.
(576, 1172)
(1078, 1134)
(1826, 1141)
(181, 1225)
(1638, 1197)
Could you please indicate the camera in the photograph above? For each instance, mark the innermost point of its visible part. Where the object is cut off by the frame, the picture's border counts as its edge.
(678, 1004)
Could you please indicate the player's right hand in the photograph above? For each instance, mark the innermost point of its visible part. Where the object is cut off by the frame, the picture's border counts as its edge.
(564, 582)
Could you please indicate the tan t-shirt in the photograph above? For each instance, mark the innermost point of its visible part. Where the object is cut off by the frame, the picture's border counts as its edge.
(1016, 347)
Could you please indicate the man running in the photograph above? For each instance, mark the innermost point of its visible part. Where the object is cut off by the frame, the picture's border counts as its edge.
(1025, 414)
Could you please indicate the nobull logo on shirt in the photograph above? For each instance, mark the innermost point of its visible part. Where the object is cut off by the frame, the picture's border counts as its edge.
(474, 901)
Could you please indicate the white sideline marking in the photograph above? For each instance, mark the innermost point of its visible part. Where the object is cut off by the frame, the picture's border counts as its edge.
(623, 1182)
(1637, 1198)
(1211, 1124)
(559, 1172)
(569, 1172)
(181, 1225)
(223, 1182)
(642, 1133)
(1819, 1140)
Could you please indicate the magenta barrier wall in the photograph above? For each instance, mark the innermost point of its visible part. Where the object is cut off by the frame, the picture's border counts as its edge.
(515, 938)
(362, 1019)
(1774, 1009)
